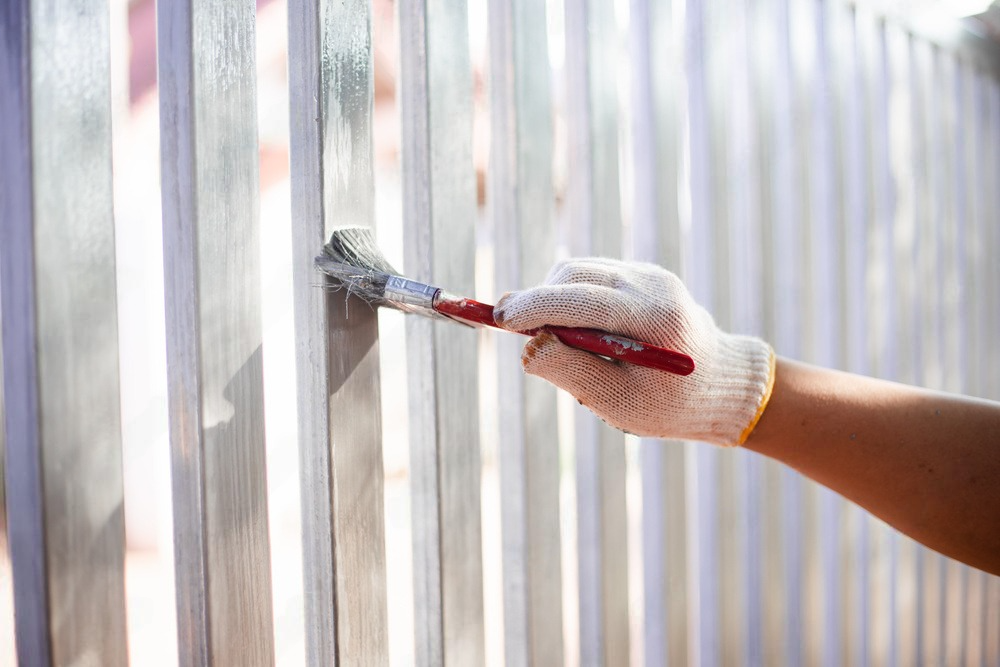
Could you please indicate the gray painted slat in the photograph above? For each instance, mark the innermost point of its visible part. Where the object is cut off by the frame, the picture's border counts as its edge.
(814, 111)
(991, 642)
(740, 234)
(904, 314)
(931, 167)
(781, 622)
(855, 180)
(522, 200)
(993, 275)
(722, 26)
(211, 253)
(955, 338)
(701, 471)
(974, 134)
(880, 286)
(439, 209)
(592, 53)
(8, 653)
(340, 440)
(57, 258)
(825, 215)
(657, 114)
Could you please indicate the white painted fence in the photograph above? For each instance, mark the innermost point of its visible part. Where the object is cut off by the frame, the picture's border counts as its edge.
(817, 174)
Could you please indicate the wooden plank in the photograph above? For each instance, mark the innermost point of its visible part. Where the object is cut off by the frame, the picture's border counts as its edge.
(8, 652)
(991, 360)
(974, 134)
(722, 25)
(991, 280)
(523, 206)
(740, 235)
(701, 471)
(592, 56)
(337, 352)
(880, 279)
(853, 132)
(882, 342)
(954, 297)
(904, 313)
(211, 255)
(931, 168)
(993, 274)
(439, 209)
(826, 255)
(64, 485)
(812, 28)
(657, 114)
(782, 325)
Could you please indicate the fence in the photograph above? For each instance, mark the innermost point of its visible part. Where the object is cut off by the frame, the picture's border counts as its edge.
(818, 174)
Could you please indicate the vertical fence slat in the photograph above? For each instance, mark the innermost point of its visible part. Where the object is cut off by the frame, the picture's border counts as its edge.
(208, 143)
(700, 473)
(8, 653)
(57, 257)
(824, 319)
(972, 136)
(880, 349)
(736, 185)
(901, 363)
(657, 112)
(991, 648)
(595, 229)
(439, 208)
(780, 221)
(340, 441)
(955, 319)
(932, 171)
(854, 170)
(522, 197)
(721, 26)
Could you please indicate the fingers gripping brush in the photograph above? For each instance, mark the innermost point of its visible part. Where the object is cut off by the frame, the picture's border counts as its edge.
(353, 259)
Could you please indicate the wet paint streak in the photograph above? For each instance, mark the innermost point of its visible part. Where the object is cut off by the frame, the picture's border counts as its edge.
(621, 345)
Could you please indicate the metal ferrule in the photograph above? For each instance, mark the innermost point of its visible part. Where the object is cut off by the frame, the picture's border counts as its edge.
(410, 292)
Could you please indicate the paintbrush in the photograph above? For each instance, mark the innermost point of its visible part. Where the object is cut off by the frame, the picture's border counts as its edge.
(353, 259)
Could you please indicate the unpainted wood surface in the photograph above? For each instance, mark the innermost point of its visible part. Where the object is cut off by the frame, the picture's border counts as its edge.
(522, 201)
(439, 213)
(212, 282)
(63, 442)
(340, 441)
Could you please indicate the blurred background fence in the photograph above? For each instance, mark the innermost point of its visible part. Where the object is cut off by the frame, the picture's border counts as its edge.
(209, 459)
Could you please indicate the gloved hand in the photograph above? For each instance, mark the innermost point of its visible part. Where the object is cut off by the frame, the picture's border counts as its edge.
(720, 402)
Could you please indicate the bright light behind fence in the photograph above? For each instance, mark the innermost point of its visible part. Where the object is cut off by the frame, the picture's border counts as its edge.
(923, 10)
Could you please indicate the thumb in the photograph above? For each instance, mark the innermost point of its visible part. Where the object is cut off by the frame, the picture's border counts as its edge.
(588, 377)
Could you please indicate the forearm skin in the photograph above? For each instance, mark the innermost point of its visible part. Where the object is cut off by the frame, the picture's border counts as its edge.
(925, 462)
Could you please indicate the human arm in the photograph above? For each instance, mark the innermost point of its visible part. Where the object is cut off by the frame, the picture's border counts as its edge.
(927, 463)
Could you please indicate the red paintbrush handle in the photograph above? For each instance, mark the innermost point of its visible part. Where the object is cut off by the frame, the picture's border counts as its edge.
(589, 340)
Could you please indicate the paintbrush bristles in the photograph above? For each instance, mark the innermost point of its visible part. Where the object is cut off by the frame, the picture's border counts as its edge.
(353, 259)
(356, 246)
(364, 283)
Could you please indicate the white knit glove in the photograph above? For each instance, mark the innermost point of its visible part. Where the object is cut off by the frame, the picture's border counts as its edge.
(720, 402)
